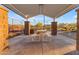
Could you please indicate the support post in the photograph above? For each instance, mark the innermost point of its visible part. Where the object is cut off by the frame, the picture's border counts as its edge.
(27, 28)
(3, 28)
(77, 36)
(54, 28)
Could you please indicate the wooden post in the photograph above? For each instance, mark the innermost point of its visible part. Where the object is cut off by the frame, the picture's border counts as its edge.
(27, 28)
(77, 36)
(54, 28)
(3, 28)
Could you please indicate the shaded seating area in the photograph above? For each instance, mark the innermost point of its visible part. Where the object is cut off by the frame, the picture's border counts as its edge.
(43, 44)
(38, 42)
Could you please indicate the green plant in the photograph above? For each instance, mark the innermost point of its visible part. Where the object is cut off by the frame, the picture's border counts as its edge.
(39, 25)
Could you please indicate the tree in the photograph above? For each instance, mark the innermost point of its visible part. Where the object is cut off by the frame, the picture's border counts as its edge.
(39, 25)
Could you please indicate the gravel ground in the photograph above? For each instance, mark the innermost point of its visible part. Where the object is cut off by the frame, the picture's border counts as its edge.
(69, 34)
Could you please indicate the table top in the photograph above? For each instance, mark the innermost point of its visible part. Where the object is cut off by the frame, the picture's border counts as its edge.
(40, 31)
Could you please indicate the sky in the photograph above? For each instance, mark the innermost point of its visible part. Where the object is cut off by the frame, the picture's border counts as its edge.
(69, 17)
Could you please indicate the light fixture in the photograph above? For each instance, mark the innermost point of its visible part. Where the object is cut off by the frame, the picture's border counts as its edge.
(27, 16)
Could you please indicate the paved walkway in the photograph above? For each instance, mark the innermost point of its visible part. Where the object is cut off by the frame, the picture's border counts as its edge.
(48, 45)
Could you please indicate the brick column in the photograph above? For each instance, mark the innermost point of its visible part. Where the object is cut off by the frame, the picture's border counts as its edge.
(3, 28)
(27, 28)
(77, 36)
(54, 28)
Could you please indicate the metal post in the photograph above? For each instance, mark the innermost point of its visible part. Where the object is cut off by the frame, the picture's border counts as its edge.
(53, 19)
(12, 24)
(44, 21)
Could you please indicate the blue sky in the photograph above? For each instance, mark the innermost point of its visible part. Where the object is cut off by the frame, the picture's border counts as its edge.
(69, 17)
(17, 19)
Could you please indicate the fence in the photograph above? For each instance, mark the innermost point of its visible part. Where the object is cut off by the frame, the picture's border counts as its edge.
(16, 26)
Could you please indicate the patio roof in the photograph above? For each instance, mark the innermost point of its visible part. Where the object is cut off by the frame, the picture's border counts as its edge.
(51, 10)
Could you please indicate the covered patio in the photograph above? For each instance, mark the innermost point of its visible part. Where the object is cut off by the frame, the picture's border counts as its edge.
(44, 43)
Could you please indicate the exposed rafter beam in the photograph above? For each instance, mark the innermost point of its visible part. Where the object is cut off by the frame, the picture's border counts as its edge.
(69, 8)
(11, 7)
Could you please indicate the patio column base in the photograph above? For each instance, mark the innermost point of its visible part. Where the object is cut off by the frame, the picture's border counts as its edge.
(3, 45)
(54, 28)
(27, 28)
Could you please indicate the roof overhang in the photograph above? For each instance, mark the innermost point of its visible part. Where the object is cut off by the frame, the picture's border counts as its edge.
(51, 10)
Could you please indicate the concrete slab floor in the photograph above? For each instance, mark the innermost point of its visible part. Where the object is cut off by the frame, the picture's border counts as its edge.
(48, 45)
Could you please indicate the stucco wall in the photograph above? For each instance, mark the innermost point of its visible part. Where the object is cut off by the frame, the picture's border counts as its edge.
(3, 28)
